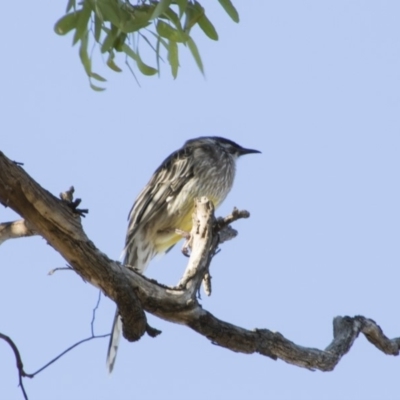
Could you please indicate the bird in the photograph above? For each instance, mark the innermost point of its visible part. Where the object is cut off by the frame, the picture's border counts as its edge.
(204, 166)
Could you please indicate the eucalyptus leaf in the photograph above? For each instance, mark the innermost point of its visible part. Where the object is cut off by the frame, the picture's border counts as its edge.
(182, 4)
(192, 14)
(84, 56)
(67, 23)
(82, 23)
(97, 77)
(158, 54)
(173, 17)
(195, 54)
(111, 64)
(167, 31)
(144, 68)
(129, 52)
(71, 4)
(96, 88)
(109, 10)
(109, 40)
(97, 28)
(161, 7)
(230, 9)
(173, 57)
(207, 27)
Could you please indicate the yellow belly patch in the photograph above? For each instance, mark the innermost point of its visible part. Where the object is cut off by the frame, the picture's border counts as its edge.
(166, 239)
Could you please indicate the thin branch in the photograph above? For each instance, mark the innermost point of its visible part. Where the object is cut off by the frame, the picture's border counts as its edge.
(20, 366)
(68, 350)
(52, 271)
(94, 313)
(15, 229)
(234, 216)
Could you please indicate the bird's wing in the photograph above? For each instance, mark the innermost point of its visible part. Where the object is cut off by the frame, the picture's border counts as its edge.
(166, 182)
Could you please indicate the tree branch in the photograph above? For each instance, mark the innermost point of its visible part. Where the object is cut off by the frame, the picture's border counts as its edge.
(20, 365)
(61, 227)
(14, 230)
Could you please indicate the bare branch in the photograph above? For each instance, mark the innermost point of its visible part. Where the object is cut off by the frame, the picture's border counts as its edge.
(234, 216)
(94, 313)
(52, 271)
(14, 230)
(20, 365)
(131, 291)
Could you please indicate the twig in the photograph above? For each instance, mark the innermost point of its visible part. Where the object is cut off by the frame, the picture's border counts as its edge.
(94, 313)
(52, 271)
(20, 366)
(234, 216)
(69, 349)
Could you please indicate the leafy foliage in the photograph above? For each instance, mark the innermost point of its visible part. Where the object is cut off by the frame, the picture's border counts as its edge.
(117, 26)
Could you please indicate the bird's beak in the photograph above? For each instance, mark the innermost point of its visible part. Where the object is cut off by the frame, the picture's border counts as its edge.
(244, 151)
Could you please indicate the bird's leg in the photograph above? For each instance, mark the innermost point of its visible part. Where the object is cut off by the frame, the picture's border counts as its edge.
(188, 242)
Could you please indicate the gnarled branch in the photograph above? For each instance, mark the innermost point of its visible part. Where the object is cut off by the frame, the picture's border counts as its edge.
(133, 292)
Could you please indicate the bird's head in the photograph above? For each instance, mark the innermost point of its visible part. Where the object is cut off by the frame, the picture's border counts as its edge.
(226, 145)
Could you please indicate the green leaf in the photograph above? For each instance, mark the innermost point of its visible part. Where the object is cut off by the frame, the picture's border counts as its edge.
(71, 4)
(66, 23)
(193, 13)
(136, 17)
(111, 64)
(84, 56)
(173, 17)
(119, 41)
(230, 9)
(173, 58)
(97, 28)
(195, 54)
(109, 10)
(158, 54)
(159, 38)
(96, 88)
(144, 68)
(169, 32)
(182, 4)
(109, 40)
(207, 27)
(203, 22)
(127, 18)
(129, 52)
(97, 77)
(162, 6)
(83, 20)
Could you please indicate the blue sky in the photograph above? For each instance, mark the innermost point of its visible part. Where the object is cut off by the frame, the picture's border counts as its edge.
(313, 85)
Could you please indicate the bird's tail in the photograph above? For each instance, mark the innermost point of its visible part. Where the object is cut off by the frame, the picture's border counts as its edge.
(114, 342)
(137, 254)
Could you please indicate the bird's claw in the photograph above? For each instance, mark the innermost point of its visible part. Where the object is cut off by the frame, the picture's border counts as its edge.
(188, 242)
